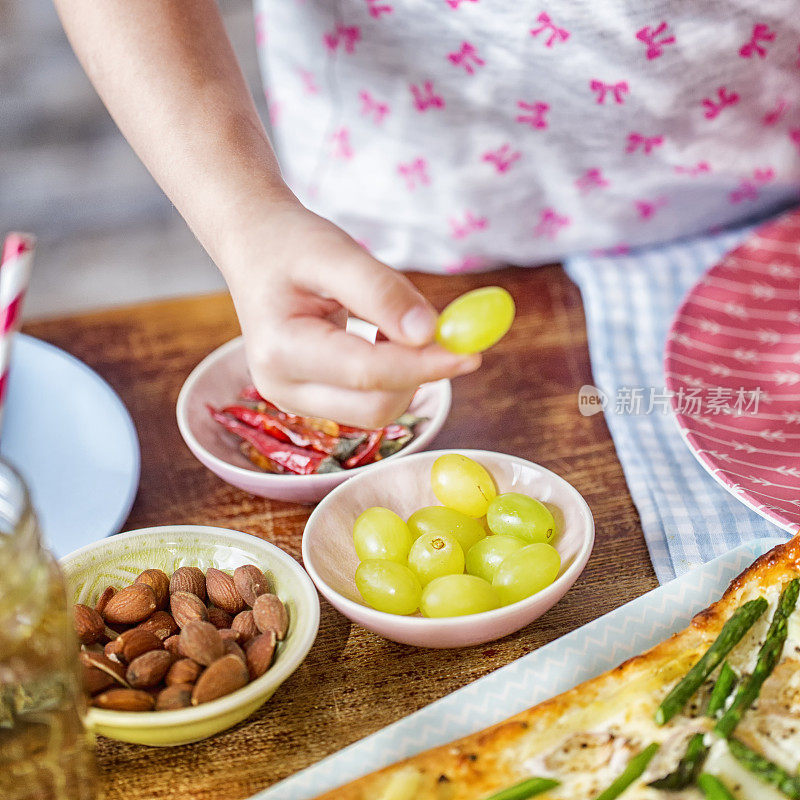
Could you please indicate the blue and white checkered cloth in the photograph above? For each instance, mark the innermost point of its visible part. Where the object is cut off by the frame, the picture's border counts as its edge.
(630, 301)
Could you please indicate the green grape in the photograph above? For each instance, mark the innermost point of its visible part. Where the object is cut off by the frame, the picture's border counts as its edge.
(438, 519)
(388, 586)
(475, 321)
(462, 484)
(458, 595)
(518, 515)
(435, 554)
(526, 572)
(380, 533)
(485, 556)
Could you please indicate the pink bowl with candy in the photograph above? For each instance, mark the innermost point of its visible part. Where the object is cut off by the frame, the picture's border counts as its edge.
(217, 381)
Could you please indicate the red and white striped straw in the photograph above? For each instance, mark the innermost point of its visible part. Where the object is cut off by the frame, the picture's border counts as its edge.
(15, 271)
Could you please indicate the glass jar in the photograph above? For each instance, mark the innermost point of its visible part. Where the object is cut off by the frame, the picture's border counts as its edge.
(45, 752)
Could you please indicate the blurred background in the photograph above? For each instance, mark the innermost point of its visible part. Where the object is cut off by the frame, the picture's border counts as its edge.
(107, 235)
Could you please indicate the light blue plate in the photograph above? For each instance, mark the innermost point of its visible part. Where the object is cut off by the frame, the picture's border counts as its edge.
(74, 443)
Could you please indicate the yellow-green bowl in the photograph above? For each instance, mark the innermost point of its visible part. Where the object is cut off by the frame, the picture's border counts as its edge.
(117, 560)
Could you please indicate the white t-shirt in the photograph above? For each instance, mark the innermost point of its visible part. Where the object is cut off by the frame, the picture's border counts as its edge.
(452, 135)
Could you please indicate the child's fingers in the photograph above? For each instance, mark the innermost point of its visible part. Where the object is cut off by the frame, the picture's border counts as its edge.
(376, 293)
(320, 352)
(347, 406)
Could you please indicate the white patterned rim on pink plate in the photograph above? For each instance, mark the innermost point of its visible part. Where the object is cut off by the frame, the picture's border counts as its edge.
(732, 363)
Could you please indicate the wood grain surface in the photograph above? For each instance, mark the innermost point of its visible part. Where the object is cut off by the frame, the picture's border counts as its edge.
(522, 401)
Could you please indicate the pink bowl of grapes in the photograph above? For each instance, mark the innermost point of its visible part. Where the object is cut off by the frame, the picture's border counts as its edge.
(448, 548)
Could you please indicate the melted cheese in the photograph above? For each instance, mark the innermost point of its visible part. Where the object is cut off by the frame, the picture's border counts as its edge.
(742, 782)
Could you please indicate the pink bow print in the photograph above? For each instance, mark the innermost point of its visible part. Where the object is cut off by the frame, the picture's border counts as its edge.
(772, 117)
(534, 113)
(502, 158)
(617, 90)
(726, 98)
(698, 169)
(647, 143)
(748, 189)
(761, 33)
(466, 264)
(556, 34)
(261, 31)
(425, 97)
(550, 223)
(647, 208)
(346, 36)
(470, 224)
(415, 173)
(795, 136)
(621, 249)
(591, 179)
(274, 108)
(376, 10)
(467, 57)
(370, 107)
(457, 3)
(309, 83)
(654, 44)
(341, 144)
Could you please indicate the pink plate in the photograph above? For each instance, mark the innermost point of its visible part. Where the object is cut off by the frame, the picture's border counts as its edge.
(733, 365)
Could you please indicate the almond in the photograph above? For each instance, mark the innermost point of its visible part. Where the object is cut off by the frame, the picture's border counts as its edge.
(245, 624)
(158, 581)
(183, 671)
(201, 642)
(178, 695)
(233, 649)
(88, 624)
(137, 641)
(124, 700)
(95, 680)
(102, 601)
(222, 591)
(148, 669)
(228, 634)
(225, 675)
(259, 653)
(100, 661)
(219, 618)
(131, 605)
(113, 649)
(108, 635)
(250, 583)
(172, 644)
(162, 624)
(270, 614)
(188, 579)
(186, 607)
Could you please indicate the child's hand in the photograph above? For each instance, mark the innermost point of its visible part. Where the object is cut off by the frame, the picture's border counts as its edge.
(171, 80)
(290, 277)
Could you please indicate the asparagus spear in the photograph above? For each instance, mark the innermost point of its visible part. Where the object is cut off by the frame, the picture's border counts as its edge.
(688, 767)
(768, 657)
(722, 688)
(696, 751)
(732, 631)
(636, 766)
(713, 788)
(764, 769)
(525, 789)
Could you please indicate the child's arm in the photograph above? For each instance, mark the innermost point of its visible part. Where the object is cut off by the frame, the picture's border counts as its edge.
(167, 73)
